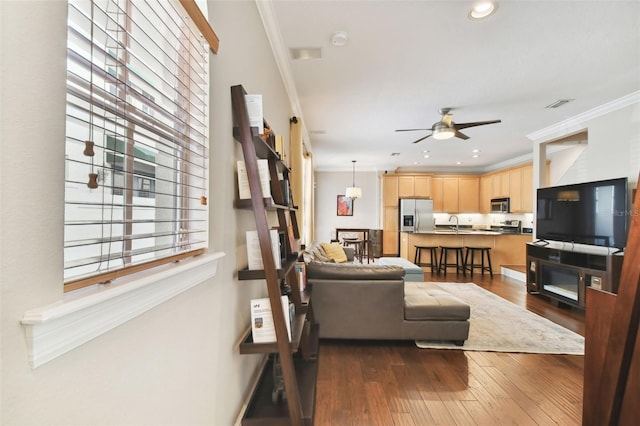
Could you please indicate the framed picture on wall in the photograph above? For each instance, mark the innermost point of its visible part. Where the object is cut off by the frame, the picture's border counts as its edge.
(345, 206)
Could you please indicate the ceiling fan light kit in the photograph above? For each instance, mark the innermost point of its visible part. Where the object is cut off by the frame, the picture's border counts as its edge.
(442, 132)
(446, 128)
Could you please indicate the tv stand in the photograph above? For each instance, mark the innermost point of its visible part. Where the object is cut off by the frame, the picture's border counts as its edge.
(564, 275)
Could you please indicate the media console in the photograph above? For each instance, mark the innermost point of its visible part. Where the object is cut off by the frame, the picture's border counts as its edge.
(564, 275)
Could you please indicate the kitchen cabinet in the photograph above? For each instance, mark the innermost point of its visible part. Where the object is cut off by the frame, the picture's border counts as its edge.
(485, 194)
(422, 186)
(390, 218)
(521, 189)
(515, 183)
(500, 185)
(405, 186)
(468, 194)
(455, 194)
(389, 190)
(450, 192)
(526, 190)
(515, 193)
(436, 193)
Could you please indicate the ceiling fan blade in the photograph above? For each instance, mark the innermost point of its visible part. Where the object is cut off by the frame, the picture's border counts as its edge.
(421, 139)
(410, 130)
(475, 123)
(461, 135)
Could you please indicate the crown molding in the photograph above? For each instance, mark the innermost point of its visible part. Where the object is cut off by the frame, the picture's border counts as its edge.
(281, 54)
(578, 122)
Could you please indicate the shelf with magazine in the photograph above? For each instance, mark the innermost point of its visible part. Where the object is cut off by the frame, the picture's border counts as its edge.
(285, 392)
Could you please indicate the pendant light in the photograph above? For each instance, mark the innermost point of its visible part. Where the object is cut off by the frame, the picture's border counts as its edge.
(353, 191)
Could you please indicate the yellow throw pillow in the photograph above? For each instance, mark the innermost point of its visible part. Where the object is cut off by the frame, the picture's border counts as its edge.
(334, 252)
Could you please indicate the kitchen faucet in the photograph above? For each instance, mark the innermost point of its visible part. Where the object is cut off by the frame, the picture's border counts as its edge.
(457, 222)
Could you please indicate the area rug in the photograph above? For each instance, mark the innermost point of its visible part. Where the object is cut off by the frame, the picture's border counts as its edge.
(497, 325)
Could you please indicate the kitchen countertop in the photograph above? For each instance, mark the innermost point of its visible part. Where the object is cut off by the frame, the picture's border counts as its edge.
(463, 232)
(507, 248)
(466, 231)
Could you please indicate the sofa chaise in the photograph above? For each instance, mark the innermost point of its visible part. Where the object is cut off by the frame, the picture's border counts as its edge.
(355, 301)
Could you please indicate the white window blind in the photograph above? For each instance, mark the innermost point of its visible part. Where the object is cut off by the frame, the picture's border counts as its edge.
(136, 138)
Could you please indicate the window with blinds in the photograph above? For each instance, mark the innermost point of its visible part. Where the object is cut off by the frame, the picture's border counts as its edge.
(136, 138)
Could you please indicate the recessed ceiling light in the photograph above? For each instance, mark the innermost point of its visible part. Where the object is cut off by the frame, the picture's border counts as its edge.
(416, 163)
(305, 53)
(482, 9)
(425, 151)
(475, 156)
(458, 162)
(475, 151)
(427, 156)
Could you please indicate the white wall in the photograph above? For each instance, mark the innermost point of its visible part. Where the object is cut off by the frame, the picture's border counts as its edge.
(178, 363)
(613, 148)
(366, 210)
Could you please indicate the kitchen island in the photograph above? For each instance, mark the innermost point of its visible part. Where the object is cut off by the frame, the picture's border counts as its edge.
(506, 248)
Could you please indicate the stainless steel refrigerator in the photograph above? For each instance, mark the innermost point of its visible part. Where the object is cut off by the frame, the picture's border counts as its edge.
(416, 215)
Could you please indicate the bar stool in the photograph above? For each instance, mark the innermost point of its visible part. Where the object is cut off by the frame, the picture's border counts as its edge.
(444, 259)
(471, 266)
(433, 257)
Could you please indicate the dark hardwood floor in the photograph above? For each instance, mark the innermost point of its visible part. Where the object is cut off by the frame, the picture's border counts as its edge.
(396, 383)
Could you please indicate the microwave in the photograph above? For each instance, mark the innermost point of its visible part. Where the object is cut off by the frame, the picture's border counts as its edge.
(500, 205)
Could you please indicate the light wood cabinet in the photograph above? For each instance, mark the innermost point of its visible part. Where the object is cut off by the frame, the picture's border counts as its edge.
(405, 186)
(450, 200)
(485, 194)
(521, 189)
(526, 194)
(500, 185)
(515, 183)
(389, 190)
(515, 193)
(436, 194)
(422, 186)
(468, 194)
(456, 194)
(390, 218)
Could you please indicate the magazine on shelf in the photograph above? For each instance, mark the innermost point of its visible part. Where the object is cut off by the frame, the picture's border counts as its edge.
(301, 272)
(254, 255)
(262, 326)
(254, 110)
(244, 191)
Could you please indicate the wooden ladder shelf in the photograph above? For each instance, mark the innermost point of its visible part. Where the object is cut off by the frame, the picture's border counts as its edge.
(299, 367)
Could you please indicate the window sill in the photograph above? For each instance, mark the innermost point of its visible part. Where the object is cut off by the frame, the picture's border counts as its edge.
(82, 315)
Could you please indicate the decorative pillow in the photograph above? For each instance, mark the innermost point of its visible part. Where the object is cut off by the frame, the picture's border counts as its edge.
(320, 255)
(334, 252)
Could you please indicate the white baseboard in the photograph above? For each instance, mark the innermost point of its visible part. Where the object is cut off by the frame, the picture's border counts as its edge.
(512, 273)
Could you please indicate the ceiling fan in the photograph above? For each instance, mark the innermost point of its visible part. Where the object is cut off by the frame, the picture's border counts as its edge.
(446, 128)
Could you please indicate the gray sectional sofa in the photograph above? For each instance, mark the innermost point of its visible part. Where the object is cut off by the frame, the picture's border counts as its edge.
(360, 301)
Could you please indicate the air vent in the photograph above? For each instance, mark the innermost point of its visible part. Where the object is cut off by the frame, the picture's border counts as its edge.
(559, 103)
(395, 154)
(305, 53)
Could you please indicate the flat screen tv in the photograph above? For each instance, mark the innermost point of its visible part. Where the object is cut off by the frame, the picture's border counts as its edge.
(593, 213)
